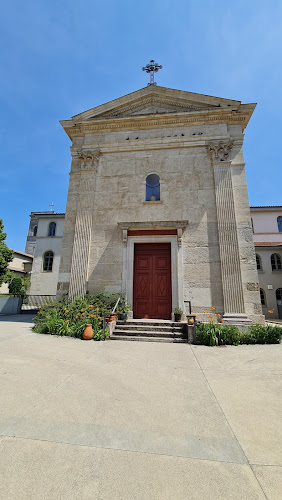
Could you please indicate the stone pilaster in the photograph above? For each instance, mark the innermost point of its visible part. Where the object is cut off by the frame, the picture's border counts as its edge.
(82, 237)
(234, 308)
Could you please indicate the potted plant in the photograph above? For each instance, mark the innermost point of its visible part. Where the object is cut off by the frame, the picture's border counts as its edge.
(123, 311)
(177, 314)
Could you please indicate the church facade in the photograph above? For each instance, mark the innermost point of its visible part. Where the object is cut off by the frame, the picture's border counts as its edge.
(158, 207)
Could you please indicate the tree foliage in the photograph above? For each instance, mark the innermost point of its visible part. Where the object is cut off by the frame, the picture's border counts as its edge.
(16, 286)
(6, 256)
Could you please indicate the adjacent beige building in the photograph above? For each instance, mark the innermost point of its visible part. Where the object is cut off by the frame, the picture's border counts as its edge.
(20, 266)
(267, 229)
(158, 206)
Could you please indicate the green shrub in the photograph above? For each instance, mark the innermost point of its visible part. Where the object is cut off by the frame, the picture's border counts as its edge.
(70, 317)
(258, 334)
(16, 286)
(212, 334)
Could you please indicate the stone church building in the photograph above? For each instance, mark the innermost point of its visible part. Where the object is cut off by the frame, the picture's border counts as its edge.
(158, 206)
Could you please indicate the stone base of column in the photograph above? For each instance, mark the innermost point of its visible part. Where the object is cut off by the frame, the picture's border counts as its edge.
(240, 320)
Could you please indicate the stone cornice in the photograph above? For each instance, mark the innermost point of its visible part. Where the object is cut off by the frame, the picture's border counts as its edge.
(137, 122)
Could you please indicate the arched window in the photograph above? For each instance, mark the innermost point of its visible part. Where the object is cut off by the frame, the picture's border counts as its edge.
(252, 222)
(279, 296)
(52, 229)
(262, 297)
(48, 261)
(279, 223)
(35, 231)
(276, 262)
(152, 187)
(258, 261)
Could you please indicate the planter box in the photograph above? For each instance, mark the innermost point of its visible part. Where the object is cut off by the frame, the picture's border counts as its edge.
(10, 305)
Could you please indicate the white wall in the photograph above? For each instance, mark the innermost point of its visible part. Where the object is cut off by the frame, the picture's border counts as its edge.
(265, 225)
(45, 282)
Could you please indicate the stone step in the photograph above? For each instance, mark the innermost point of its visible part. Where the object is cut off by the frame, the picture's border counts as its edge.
(164, 323)
(148, 333)
(155, 328)
(148, 339)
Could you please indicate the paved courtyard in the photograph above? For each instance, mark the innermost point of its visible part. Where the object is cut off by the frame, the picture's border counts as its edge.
(135, 420)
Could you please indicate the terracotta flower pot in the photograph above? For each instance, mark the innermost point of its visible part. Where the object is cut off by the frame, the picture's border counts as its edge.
(88, 333)
(190, 321)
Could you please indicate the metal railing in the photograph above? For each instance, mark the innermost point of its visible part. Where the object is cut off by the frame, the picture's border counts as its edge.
(106, 314)
(34, 302)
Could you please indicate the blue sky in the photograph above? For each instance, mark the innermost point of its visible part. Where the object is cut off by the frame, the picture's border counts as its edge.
(62, 57)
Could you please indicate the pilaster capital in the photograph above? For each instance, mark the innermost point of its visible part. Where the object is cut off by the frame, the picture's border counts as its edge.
(89, 159)
(220, 151)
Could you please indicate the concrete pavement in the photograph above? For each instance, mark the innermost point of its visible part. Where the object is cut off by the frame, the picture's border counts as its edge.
(136, 420)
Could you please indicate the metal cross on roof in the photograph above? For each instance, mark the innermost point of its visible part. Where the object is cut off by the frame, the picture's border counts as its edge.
(51, 205)
(152, 68)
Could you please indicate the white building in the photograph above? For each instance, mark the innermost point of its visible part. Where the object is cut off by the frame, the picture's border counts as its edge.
(44, 242)
(267, 232)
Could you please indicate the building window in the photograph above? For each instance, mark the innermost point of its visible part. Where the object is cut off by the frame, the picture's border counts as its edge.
(152, 187)
(279, 296)
(258, 261)
(48, 261)
(52, 229)
(279, 223)
(252, 222)
(262, 297)
(35, 231)
(276, 262)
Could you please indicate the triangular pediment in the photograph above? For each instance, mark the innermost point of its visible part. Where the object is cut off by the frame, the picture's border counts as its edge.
(155, 100)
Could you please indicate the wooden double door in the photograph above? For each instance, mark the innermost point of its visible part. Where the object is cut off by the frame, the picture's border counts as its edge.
(152, 281)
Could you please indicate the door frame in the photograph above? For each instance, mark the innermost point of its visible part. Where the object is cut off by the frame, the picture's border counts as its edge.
(176, 268)
(152, 252)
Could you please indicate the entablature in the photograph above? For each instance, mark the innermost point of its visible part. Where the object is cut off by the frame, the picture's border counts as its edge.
(139, 122)
(178, 225)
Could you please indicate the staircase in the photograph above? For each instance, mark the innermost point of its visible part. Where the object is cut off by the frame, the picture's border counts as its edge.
(150, 330)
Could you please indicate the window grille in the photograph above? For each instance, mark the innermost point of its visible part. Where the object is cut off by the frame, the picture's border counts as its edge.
(262, 297)
(279, 296)
(52, 229)
(48, 261)
(258, 261)
(276, 262)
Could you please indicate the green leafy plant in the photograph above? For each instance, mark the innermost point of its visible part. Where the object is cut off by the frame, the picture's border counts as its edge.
(70, 316)
(16, 286)
(258, 334)
(26, 283)
(212, 334)
(6, 256)
(177, 310)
